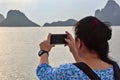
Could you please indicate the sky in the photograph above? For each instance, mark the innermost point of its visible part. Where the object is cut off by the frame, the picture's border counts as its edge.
(42, 11)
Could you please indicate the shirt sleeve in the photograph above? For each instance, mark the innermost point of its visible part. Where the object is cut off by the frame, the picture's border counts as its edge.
(63, 72)
(44, 72)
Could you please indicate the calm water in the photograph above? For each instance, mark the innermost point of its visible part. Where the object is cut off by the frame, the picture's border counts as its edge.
(19, 47)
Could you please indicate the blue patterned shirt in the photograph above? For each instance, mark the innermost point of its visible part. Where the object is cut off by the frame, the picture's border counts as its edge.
(70, 72)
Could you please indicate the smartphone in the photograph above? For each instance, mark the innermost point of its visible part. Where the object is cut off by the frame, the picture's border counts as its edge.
(58, 38)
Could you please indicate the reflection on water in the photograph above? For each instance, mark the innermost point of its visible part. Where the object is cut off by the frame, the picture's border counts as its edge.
(19, 47)
(17, 59)
(18, 52)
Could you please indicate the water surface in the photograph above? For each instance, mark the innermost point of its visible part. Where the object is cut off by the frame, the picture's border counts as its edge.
(19, 47)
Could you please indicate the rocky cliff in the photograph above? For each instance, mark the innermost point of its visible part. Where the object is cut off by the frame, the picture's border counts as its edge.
(110, 13)
(1, 18)
(16, 18)
(69, 22)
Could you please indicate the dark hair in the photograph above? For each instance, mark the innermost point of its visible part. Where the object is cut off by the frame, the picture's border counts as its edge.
(95, 35)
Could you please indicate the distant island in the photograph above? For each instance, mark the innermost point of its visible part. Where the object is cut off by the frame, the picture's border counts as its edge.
(1, 18)
(15, 18)
(69, 22)
(110, 13)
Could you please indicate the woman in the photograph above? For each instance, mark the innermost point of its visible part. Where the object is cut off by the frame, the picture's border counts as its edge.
(90, 46)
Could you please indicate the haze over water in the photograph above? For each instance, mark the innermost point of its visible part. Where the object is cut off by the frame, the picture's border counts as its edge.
(19, 47)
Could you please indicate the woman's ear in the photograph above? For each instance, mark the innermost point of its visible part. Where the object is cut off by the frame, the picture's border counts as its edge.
(79, 43)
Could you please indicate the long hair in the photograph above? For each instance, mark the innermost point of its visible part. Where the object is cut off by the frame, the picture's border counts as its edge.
(95, 35)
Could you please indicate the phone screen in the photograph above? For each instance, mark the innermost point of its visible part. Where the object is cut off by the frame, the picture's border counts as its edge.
(58, 38)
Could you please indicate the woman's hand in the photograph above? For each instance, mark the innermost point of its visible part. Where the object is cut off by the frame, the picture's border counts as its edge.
(71, 43)
(72, 46)
(45, 45)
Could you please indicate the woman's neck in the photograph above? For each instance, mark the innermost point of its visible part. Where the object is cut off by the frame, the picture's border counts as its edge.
(87, 55)
(93, 61)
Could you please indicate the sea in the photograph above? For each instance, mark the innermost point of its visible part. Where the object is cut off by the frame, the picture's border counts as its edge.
(19, 48)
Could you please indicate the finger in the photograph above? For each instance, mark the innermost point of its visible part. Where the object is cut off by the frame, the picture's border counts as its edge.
(69, 35)
(65, 45)
(68, 41)
(49, 36)
(53, 45)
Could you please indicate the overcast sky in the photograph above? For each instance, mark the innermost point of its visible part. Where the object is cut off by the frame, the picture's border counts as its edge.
(41, 11)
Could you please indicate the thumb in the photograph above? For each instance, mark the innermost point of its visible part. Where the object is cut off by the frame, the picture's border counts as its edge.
(49, 36)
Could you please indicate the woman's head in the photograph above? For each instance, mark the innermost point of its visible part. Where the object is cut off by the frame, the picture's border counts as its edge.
(94, 34)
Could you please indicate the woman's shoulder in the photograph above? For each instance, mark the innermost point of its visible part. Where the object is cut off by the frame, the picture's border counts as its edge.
(67, 66)
(69, 70)
(73, 68)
